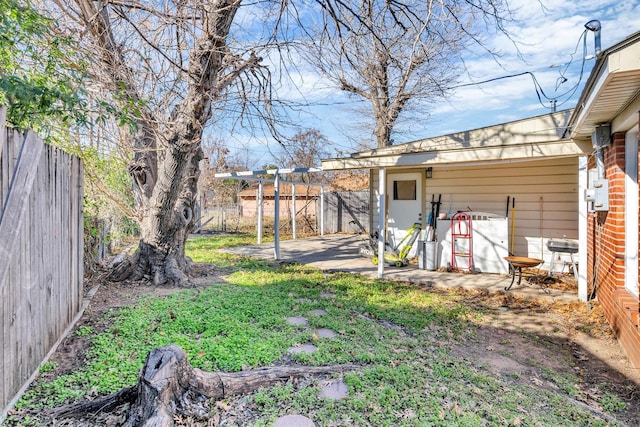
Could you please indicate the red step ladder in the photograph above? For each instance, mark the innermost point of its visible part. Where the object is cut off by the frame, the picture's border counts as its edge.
(461, 240)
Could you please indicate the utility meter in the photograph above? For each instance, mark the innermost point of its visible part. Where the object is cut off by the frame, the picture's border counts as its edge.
(598, 195)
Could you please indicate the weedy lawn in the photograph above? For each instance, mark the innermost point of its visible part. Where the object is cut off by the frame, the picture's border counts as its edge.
(402, 336)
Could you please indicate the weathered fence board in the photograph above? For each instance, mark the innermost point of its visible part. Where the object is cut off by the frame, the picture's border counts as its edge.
(18, 197)
(342, 208)
(41, 254)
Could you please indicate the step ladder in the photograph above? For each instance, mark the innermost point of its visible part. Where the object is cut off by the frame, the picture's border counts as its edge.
(461, 240)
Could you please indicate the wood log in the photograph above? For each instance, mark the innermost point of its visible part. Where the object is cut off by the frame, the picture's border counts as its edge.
(168, 385)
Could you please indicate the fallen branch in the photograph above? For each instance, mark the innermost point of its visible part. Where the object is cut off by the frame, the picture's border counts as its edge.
(168, 385)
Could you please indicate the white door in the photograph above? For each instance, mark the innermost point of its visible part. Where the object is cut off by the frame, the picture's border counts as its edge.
(404, 192)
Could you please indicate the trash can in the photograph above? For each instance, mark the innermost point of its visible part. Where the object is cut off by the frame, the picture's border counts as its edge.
(427, 255)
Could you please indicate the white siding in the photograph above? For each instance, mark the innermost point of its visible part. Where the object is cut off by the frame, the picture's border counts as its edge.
(546, 194)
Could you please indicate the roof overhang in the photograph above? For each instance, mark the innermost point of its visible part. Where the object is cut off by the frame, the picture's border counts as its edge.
(612, 92)
(523, 140)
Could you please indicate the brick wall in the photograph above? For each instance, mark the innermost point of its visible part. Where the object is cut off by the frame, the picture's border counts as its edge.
(606, 246)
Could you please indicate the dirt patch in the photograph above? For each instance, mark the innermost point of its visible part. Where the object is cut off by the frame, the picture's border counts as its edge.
(520, 340)
(525, 340)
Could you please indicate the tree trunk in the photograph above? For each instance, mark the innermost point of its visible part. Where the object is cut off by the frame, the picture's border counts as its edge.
(166, 224)
(167, 144)
(168, 386)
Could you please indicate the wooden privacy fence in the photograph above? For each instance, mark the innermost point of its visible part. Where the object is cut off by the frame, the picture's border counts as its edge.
(343, 207)
(41, 254)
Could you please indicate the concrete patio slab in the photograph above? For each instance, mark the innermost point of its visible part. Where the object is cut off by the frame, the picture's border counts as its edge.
(339, 253)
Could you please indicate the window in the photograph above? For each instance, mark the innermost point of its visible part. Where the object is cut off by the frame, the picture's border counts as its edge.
(404, 190)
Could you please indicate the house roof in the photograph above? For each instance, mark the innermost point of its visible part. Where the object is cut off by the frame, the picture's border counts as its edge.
(521, 140)
(612, 92)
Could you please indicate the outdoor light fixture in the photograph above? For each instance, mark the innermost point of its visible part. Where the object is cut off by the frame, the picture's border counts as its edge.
(595, 26)
(429, 172)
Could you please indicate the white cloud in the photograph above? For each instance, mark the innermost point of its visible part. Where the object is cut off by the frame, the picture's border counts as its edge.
(548, 36)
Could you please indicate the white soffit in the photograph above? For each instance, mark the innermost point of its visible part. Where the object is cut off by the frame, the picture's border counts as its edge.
(614, 86)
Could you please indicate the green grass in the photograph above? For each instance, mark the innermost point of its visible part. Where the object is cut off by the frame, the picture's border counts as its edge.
(400, 334)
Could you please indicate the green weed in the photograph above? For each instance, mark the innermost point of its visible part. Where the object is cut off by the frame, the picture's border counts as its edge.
(399, 334)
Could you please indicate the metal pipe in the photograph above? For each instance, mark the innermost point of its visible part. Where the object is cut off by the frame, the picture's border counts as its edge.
(599, 156)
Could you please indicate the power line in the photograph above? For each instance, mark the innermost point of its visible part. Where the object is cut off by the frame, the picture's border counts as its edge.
(536, 84)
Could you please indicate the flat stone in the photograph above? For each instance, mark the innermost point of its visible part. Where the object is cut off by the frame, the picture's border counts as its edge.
(297, 320)
(335, 390)
(325, 333)
(318, 312)
(327, 295)
(304, 348)
(294, 421)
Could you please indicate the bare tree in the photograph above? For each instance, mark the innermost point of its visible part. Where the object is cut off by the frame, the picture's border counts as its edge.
(218, 191)
(169, 67)
(399, 54)
(305, 149)
(166, 66)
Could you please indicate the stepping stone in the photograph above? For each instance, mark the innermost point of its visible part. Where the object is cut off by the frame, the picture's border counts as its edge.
(318, 312)
(302, 300)
(327, 295)
(297, 320)
(335, 391)
(304, 348)
(294, 421)
(325, 333)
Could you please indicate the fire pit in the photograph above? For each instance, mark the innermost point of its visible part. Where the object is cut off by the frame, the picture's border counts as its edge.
(517, 263)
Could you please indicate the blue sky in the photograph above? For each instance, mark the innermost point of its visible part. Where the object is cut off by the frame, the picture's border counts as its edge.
(549, 37)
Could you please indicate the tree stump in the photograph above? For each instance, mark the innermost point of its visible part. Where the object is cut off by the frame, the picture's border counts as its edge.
(168, 385)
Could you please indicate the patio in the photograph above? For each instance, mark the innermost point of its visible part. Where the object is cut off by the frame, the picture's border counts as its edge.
(339, 252)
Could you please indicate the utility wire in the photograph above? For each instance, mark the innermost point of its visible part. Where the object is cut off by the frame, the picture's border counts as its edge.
(538, 87)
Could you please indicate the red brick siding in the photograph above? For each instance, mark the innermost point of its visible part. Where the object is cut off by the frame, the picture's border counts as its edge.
(606, 245)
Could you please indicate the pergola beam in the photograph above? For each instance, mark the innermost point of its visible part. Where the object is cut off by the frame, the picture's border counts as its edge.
(251, 176)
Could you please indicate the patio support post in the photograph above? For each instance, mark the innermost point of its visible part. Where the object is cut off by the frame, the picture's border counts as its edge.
(631, 212)
(322, 210)
(276, 216)
(293, 208)
(582, 229)
(260, 212)
(382, 186)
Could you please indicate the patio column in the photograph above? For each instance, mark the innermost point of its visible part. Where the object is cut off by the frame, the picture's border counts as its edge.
(293, 208)
(322, 210)
(276, 216)
(631, 212)
(582, 229)
(260, 199)
(382, 188)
